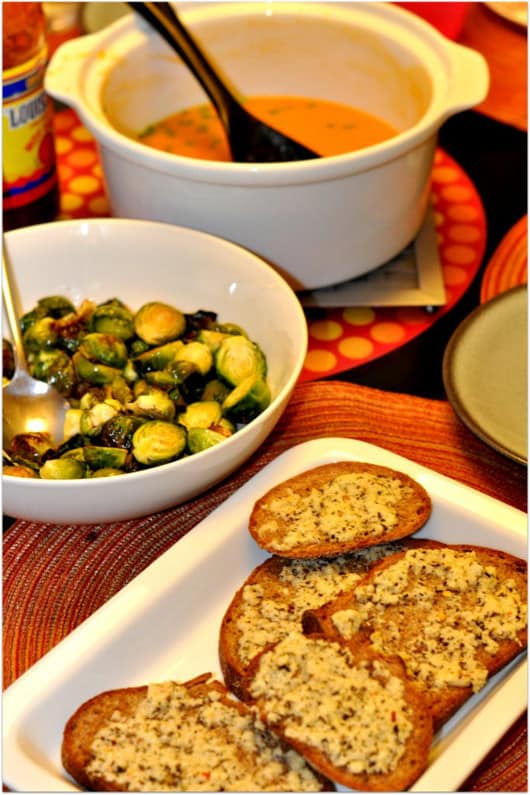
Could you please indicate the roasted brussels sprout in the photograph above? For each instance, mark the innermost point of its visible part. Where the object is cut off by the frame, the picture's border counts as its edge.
(198, 354)
(202, 414)
(93, 372)
(72, 423)
(155, 404)
(157, 358)
(156, 442)
(215, 390)
(104, 348)
(248, 399)
(144, 388)
(55, 367)
(113, 317)
(211, 338)
(237, 358)
(92, 419)
(156, 323)
(55, 306)
(41, 334)
(119, 430)
(106, 472)
(30, 448)
(231, 328)
(66, 468)
(104, 457)
(203, 438)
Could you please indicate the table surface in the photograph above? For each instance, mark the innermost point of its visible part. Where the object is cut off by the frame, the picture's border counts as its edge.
(397, 401)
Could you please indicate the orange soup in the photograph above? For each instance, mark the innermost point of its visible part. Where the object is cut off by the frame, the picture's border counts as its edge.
(329, 128)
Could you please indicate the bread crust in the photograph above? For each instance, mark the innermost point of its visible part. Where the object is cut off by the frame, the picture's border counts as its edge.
(414, 758)
(82, 727)
(443, 701)
(269, 528)
(284, 595)
(91, 716)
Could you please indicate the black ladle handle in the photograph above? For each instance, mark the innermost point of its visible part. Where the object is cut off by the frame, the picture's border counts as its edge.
(249, 139)
(165, 20)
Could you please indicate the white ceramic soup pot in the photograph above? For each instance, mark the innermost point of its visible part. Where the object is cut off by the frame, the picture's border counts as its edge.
(318, 222)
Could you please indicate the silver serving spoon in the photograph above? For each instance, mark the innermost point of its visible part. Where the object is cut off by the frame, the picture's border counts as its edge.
(28, 405)
(250, 140)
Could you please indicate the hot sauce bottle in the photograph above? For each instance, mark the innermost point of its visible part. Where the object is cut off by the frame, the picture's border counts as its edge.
(29, 176)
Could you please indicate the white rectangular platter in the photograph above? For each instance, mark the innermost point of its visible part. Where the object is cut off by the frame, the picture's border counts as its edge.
(164, 624)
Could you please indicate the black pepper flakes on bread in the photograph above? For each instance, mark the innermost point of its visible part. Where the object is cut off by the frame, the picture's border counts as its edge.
(336, 508)
(187, 737)
(353, 714)
(270, 603)
(455, 615)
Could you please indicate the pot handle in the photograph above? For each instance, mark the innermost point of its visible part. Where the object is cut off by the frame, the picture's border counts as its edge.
(470, 80)
(62, 80)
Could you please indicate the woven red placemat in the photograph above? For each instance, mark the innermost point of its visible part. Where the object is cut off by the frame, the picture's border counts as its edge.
(56, 576)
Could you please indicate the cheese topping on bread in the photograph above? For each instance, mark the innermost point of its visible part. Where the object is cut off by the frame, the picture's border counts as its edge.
(355, 504)
(463, 608)
(179, 741)
(353, 712)
(308, 584)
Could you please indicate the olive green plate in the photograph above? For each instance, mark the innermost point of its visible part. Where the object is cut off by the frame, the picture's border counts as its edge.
(485, 372)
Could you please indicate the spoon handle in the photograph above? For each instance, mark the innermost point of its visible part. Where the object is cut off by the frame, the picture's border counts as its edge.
(11, 311)
(166, 21)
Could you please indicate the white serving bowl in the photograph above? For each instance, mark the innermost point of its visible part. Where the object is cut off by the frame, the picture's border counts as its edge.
(139, 261)
(321, 221)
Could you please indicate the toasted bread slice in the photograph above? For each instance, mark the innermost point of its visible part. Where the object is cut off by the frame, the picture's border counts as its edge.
(353, 714)
(336, 508)
(455, 615)
(181, 737)
(270, 603)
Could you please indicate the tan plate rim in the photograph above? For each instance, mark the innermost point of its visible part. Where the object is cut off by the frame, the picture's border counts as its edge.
(451, 387)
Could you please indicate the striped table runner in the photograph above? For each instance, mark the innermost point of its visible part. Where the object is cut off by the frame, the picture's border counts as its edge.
(56, 576)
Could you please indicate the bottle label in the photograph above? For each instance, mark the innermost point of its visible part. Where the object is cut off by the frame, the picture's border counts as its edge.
(28, 158)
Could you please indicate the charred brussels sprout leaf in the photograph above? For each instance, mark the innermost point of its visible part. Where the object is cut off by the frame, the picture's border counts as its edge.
(19, 471)
(156, 323)
(8, 360)
(119, 430)
(157, 442)
(238, 358)
(30, 448)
